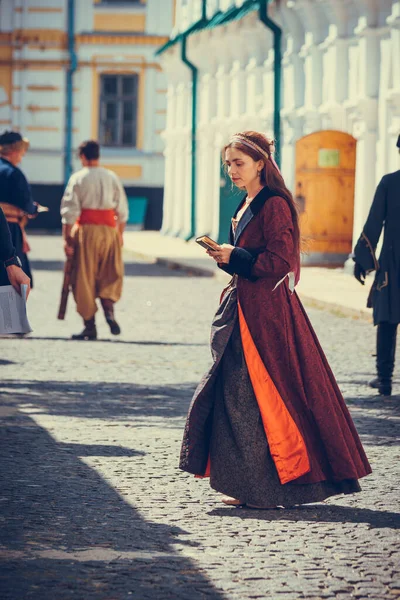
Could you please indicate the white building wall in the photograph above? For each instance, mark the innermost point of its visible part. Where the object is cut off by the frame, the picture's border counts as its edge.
(340, 72)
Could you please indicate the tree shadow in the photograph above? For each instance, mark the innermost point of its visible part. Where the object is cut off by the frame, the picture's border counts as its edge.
(169, 403)
(316, 513)
(376, 419)
(66, 533)
(361, 381)
(102, 400)
(132, 269)
(103, 340)
(80, 450)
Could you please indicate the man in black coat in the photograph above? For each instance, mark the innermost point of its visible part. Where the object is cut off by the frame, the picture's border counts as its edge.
(384, 297)
(8, 257)
(15, 196)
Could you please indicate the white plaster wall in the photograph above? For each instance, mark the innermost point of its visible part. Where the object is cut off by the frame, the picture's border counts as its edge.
(159, 17)
(43, 167)
(84, 15)
(82, 114)
(7, 14)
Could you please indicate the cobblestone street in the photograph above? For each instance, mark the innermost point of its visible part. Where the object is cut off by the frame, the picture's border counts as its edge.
(93, 506)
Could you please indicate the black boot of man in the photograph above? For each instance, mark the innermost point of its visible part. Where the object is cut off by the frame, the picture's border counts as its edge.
(385, 357)
(108, 307)
(89, 332)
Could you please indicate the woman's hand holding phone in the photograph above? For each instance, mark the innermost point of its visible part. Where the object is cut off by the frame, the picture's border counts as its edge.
(222, 255)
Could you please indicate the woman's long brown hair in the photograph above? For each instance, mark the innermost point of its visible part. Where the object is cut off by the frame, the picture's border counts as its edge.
(270, 175)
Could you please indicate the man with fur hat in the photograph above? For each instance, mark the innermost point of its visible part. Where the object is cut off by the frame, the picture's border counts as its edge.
(384, 297)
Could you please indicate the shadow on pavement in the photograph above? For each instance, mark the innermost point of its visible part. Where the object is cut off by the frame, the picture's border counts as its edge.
(316, 514)
(102, 400)
(105, 340)
(68, 534)
(376, 419)
(132, 269)
(99, 450)
(125, 401)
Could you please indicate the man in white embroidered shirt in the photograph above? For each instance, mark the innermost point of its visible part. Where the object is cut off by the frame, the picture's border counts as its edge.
(94, 211)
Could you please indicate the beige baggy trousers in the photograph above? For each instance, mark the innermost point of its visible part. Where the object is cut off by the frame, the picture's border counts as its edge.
(99, 269)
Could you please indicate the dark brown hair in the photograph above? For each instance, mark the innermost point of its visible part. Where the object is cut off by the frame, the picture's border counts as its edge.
(270, 175)
(90, 149)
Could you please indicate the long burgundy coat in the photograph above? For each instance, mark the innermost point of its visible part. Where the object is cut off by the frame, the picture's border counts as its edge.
(309, 429)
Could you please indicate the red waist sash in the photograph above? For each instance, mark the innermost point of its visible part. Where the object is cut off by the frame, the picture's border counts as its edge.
(92, 216)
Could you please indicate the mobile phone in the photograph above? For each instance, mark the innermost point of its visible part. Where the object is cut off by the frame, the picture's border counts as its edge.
(207, 243)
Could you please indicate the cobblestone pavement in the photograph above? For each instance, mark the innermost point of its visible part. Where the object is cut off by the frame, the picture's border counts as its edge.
(92, 503)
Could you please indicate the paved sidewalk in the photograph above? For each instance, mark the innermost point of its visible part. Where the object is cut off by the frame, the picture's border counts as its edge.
(93, 505)
(332, 289)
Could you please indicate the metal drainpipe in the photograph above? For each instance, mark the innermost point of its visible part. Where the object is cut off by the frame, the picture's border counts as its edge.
(194, 71)
(69, 89)
(277, 32)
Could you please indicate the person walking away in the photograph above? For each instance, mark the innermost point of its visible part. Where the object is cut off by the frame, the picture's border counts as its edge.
(10, 260)
(268, 423)
(384, 297)
(15, 197)
(94, 211)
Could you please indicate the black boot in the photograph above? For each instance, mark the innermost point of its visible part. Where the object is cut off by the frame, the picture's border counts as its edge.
(385, 355)
(374, 383)
(108, 307)
(89, 332)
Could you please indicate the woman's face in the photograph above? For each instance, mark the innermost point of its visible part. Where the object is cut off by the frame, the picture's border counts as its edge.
(242, 169)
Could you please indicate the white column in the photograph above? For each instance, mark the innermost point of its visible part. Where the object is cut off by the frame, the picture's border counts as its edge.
(365, 184)
(215, 187)
(173, 70)
(206, 135)
(365, 118)
(312, 56)
(392, 163)
(182, 180)
(237, 88)
(335, 82)
(267, 110)
(386, 108)
(315, 25)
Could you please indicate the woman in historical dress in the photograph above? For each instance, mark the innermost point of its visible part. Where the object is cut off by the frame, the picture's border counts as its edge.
(268, 423)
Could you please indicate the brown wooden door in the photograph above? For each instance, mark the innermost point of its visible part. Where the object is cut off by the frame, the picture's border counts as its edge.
(325, 174)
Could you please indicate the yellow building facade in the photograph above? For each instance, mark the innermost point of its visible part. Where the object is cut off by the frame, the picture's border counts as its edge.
(86, 69)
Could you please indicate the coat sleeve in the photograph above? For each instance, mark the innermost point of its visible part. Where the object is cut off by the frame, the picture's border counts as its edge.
(7, 250)
(364, 252)
(21, 193)
(276, 260)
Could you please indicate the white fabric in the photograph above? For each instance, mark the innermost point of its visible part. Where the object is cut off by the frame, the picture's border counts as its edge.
(93, 188)
(291, 278)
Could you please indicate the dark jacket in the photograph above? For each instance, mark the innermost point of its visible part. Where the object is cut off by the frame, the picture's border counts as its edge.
(7, 249)
(14, 188)
(384, 214)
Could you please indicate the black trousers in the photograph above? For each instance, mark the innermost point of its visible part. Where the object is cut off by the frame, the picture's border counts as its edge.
(386, 350)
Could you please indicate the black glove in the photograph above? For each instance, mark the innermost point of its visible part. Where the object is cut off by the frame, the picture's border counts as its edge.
(359, 273)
